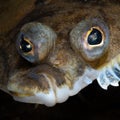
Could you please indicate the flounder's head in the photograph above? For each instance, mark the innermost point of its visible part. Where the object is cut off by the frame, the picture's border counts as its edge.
(57, 56)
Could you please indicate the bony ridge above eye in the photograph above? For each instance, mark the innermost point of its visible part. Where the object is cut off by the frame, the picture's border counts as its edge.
(35, 41)
(90, 38)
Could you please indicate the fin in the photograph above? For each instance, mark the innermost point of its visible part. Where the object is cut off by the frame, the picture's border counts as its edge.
(110, 74)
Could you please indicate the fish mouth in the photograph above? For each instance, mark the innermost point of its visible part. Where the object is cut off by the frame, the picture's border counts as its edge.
(49, 96)
(45, 85)
(37, 85)
(110, 73)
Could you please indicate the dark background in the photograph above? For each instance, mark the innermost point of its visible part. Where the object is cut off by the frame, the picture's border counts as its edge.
(92, 103)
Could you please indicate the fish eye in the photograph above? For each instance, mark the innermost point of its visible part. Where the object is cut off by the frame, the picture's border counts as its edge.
(25, 44)
(90, 38)
(35, 41)
(94, 37)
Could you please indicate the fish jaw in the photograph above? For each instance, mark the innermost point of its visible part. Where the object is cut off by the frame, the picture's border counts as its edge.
(48, 92)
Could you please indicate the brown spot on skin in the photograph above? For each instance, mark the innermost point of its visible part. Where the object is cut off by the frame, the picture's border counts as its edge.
(28, 83)
(33, 80)
(55, 73)
(20, 94)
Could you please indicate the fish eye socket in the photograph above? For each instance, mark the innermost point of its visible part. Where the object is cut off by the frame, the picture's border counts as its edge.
(25, 45)
(90, 38)
(35, 41)
(94, 37)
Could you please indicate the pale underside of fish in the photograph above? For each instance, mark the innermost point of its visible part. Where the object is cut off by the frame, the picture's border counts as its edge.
(50, 50)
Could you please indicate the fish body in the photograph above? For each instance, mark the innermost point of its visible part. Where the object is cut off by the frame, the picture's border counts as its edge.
(58, 49)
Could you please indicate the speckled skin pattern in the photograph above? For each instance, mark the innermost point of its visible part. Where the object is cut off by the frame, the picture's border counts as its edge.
(63, 65)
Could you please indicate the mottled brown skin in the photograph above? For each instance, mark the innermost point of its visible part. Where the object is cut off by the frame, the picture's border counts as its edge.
(11, 12)
(62, 16)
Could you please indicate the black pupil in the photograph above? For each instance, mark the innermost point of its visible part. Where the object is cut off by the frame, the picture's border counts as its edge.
(25, 46)
(95, 37)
